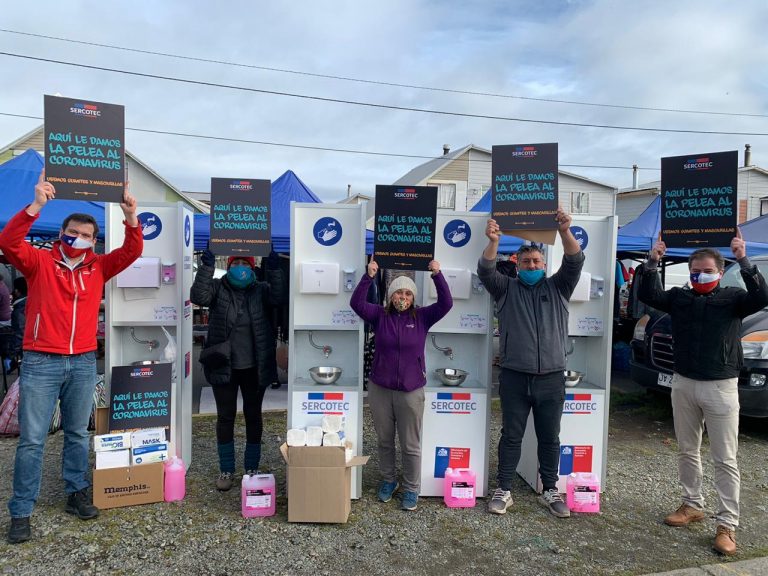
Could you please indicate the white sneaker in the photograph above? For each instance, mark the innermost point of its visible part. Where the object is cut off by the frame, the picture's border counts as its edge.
(501, 500)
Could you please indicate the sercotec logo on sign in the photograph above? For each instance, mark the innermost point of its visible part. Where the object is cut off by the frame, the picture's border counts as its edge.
(524, 152)
(406, 194)
(240, 185)
(142, 372)
(325, 403)
(85, 110)
(698, 164)
(454, 403)
(579, 404)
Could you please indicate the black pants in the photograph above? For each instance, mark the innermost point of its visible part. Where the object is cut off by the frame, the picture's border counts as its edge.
(520, 392)
(226, 406)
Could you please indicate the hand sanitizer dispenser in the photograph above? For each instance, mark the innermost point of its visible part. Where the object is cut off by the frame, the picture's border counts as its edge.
(349, 279)
(597, 287)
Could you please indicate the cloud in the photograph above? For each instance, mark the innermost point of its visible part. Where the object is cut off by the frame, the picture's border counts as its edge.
(691, 55)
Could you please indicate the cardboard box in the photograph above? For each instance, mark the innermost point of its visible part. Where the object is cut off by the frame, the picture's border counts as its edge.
(129, 486)
(102, 420)
(113, 459)
(319, 483)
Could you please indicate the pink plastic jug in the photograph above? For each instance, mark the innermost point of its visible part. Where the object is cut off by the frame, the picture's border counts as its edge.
(583, 492)
(258, 495)
(175, 482)
(459, 488)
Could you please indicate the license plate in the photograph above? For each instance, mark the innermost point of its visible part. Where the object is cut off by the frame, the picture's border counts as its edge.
(665, 380)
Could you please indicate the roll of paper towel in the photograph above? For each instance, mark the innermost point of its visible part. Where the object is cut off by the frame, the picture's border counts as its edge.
(332, 423)
(331, 439)
(314, 436)
(296, 437)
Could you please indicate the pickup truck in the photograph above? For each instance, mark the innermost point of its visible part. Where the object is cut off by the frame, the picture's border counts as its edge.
(652, 346)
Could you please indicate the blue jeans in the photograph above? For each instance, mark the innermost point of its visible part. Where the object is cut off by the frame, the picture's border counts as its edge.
(46, 378)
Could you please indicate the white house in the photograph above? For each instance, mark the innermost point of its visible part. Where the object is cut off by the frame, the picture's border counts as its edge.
(464, 176)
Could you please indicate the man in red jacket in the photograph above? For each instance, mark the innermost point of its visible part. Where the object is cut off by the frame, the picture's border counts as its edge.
(65, 285)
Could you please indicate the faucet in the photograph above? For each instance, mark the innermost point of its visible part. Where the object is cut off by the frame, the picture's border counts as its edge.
(448, 351)
(570, 348)
(325, 348)
(150, 343)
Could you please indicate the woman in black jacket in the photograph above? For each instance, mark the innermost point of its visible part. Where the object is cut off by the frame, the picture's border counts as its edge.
(239, 352)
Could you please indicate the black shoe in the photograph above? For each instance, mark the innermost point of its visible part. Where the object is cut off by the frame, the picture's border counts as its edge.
(79, 504)
(275, 385)
(19, 530)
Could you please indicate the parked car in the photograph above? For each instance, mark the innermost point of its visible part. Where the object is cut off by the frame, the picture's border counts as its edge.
(652, 358)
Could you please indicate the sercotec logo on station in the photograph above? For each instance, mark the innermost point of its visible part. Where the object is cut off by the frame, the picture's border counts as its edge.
(579, 404)
(325, 403)
(454, 403)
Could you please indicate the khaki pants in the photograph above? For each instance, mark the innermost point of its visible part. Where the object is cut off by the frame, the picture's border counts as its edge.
(716, 404)
(401, 412)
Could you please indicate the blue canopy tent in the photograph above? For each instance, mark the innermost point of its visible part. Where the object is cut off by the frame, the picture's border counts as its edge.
(17, 189)
(507, 244)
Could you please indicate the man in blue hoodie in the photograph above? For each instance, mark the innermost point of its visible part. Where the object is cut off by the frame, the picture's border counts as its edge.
(533, 322)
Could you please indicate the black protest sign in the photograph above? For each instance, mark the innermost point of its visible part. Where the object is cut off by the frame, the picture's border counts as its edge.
(140, 397)
(698, 199)
(241, 217)
(85, 149)
(524, 189)
(404, 236)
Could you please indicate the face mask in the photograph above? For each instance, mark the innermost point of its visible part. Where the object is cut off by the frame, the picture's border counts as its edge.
(531, 277)
(74, 246)
(401, 304)
(704, 283)
(240, 276)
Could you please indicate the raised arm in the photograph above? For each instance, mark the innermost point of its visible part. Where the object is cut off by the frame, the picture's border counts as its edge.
(133, 243)
(434, 312)
(651, 291)
(366, 310)
(494, 281)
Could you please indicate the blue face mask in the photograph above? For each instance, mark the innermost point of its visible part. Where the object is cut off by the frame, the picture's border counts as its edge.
(531, 277)
(240, 276)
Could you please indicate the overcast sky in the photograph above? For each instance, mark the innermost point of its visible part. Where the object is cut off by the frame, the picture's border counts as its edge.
(692, 55)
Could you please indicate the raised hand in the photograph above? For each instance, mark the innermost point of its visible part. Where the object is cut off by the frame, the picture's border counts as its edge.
(658, 250)
(738, 245)
(434, 267)
(373, 268)
(128, 206)
(44, 190)
(492, 231)
(563, 220)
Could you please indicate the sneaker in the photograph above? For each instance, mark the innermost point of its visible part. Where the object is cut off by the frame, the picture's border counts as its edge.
(19, 530)
(501, 500)
(725, 541)
(552, 500)
(387, 489)
(251, 472)
(409, 501)
(79, 504)
(224, 481)
(684, 516)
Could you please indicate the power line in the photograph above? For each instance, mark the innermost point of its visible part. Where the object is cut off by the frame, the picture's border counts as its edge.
(377, 105)
(381, 82)
(318, 148)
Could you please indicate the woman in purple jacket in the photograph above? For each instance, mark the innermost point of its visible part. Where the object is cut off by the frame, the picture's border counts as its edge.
(398, 374)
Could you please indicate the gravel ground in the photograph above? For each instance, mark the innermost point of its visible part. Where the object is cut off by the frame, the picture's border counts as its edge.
(205, 533)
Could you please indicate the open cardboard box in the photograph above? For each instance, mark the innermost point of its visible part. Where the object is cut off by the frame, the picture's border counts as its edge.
(319, 481)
